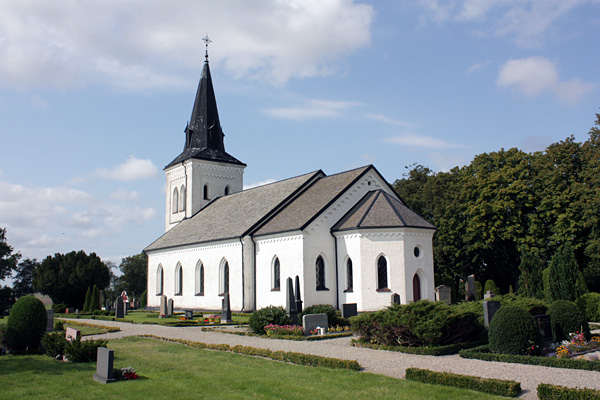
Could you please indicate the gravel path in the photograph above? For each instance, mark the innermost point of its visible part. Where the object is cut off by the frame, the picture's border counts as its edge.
(380, 362)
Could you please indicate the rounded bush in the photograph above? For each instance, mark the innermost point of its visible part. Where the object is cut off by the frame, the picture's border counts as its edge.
(332, 318)
(275, 315)
(589, 305)
(565, 318)
(26, 323)
(513, 331)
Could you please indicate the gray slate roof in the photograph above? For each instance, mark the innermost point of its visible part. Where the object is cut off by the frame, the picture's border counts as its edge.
(234, 215)
(379, 209)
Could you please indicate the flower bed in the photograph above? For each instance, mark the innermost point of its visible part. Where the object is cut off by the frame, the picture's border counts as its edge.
(284, 330)
(577, 347)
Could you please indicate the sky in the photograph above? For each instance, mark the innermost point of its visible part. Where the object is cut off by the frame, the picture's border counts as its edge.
(95, 95)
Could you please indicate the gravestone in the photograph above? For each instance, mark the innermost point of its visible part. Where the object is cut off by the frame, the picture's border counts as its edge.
(104, 365)
(163, 306)
(68, 310)
(395, 299)
(225, 309)
(489, 309)
(443, 293)
(297, 292)
(107, 305)
(544, 326)
(119, 308)
(349, 310)
(488, 295)
(471, 290)
(311, 321)
(49, 320)
(170, 307)
(290, 302)
(72, 334)
(189, 314)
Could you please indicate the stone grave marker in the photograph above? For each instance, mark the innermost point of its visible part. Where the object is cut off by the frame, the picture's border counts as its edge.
(311, 321)
(488, 295)
(489, 309)
(49, 320)
(170, 307)
(189, 314)
(72, 334)
(119, 308)
(163, 306)
(349, 310)
(104, 365)
(471, 290)
(443, 293)
(290, 301)
(544, 326)
(297, 293)
(395, 298)
(68, 310)
(226, 309)
(107, 305)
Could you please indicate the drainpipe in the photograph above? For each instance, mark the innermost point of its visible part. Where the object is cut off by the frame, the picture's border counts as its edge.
(337, 279)
(243, 286)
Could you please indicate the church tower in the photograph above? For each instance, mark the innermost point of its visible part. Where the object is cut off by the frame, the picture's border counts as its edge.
(204, 170)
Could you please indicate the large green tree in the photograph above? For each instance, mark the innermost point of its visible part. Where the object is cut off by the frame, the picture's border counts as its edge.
(530, 279)
(23, 279)
(134, 278)
(8, 259)
(564, 277)
(66, 277)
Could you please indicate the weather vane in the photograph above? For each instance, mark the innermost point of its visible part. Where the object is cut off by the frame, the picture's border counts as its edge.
(206, 41)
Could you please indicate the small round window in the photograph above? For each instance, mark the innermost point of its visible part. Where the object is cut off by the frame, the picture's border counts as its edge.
(417, 251)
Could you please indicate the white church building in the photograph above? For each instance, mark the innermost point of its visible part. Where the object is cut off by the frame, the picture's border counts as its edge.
(348, 237)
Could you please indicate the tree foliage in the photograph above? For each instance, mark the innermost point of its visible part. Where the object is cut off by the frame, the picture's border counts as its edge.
(135, 274)
(508, 202)
(531, 283)
(8, 259)
(67, 277)
(23, 279)
(564, 276)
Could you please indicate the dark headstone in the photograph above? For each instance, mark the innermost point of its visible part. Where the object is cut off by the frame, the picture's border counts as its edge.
(471, 290)
(489, 309)
(312, 321)
(49, 319)
(395, 298)
(189, 314)
(163, 306)
(107, 305)
(225, 309)
(543, 323)
(119, 308)
(104, 365)
(443, 293)
(68, 310)
(290, 302)
(349, 310)
(297, 293)
(170, 307)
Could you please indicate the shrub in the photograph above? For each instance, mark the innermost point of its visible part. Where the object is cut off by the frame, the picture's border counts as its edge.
(532, 305)
(490, 286)
(478, 291)
(88, 298)
(551, 392)
(26, 323)
(144, 299)
(513, 331)
(332, 317)
(54, 343)
(566, 318)
(59, 308)
(95, 299)
(59, 326)
(493, 386)
(285, 330)
(83, 351)
(589, 305)
(275, 315)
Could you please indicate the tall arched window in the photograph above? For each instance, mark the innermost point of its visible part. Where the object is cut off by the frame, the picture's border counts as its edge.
(349, 277)
(276, 275)
(224, 278)
(182, 198)
(206, 191)
(382, 278)
(199, 278)
(178, 279)
(175, 202)
(416, 288)
(320, 273)
(226, 190)
(160, 278)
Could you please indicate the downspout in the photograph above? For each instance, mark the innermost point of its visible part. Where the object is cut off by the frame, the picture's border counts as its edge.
(243, 286)
(337, 279)
(254, 265)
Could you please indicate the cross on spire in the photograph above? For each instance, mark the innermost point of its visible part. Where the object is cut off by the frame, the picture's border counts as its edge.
(206, 41)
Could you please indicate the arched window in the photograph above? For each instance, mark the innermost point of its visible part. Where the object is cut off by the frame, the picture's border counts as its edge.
(416, 288)
(349, 278)
(206, 191)
(175, 202)
(224, 278)
(382, 278)
(160, 278)
(276, 275)
(320, 273)
(226, 190)
(178, 279)
(199, 278)
(182, 198)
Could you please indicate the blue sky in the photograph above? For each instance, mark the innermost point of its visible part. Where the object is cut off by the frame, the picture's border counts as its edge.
(94, 97)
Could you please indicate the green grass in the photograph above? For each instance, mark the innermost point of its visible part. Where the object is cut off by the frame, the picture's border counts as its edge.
(87, 330)
(141, 317)
(173, 371)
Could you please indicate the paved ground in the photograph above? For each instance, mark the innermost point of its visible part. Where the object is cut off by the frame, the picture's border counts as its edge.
(381, 362)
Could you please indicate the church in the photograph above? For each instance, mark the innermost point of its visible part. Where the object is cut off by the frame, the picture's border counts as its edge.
(346, 237)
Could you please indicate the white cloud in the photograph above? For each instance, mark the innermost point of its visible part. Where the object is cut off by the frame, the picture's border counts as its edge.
(144, 44)
(387, 120)
(477, 66)
(261, 183)
(312, 109)
(534, 76)
(412, 140)
(133, 168)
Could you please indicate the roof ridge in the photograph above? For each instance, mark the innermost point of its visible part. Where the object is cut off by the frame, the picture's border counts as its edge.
(387, 198)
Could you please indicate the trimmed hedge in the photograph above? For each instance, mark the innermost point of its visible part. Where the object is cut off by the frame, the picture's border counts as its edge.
(551, 392)
(566, 318)
(425, 350)
(589, 305)
(514, 331)
(275, 315)
(291, 357)
(483, 353)
(492, 386)
(26, 323)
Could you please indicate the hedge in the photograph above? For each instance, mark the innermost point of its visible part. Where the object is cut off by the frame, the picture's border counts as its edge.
(282, 337)
(483, 353)
(77, 323)
(287, 356)
(422, 350)
(492, 386)
(551, 392)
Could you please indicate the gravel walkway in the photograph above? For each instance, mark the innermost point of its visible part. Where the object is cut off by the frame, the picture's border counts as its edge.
(380, 362)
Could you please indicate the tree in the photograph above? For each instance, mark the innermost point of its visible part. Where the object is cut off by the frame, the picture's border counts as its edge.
(8, 259)
(6, 299)
(135, 274)
(95, 299)
(530, 280)
(88, 297)
(564, 276)
(66, 277)
(23, 279)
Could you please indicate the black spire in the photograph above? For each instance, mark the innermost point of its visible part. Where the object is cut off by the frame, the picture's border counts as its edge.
(203, 134)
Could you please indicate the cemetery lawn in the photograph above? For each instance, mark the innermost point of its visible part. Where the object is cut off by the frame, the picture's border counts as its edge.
(173, 371)
(86, 330)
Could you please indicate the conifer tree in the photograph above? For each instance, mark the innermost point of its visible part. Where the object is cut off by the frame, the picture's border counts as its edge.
(88, 297)
(531, 282)
(95, 300)
(564, 276)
